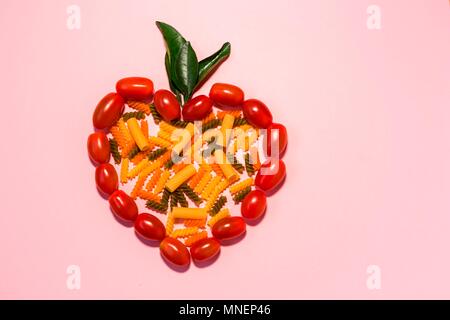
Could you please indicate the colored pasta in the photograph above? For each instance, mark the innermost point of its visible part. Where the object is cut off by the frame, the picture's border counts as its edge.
(139, 106)
(195, 237)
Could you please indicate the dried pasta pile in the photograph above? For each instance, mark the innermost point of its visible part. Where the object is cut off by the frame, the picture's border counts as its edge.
(192, 190)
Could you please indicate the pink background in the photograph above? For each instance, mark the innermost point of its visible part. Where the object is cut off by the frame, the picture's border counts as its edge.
(367, 113)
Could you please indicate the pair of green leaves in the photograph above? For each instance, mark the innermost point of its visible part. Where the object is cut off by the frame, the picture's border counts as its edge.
(186, 74)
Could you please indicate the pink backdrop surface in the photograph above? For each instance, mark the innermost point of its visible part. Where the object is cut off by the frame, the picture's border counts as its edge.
(367, 113)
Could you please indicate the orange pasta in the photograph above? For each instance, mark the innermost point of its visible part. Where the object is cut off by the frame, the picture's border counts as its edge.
(144, 128)
(195, 237)
(139, 106)
(117, 135)
(195, 223)
(154, 180)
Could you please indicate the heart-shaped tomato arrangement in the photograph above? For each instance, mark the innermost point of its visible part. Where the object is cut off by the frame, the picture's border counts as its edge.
(190, 160)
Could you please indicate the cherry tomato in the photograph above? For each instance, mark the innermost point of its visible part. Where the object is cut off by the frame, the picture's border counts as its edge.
(174, 251)
(254, 204)
(135, 88)
(150, 227)
(98, 147)
(228, 228)
(197, 108)
(205, 249)
(108, 111)
(257, 113)
(123, 205)
(226, 95)
(275, 137)
(106, 178)
(167, 105)
(273, 175)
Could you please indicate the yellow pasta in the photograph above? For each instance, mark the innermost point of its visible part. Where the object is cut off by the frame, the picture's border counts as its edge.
(210, 187)
(153, 180)
(189, 213)
(124, 170)
(216, 168)
(225, 166)
(195, 237)
(194, 223)
(194, 181)
(183, 233)
(139, 106)
(185, 136)
(203, 183)
(162, 181)
(139, 157)
(179, 178)
(178, 167)
(164, 126)
(128, 147)
(241, 185)
(147, 195)
(137, 169)
(165, 135)
(170, 224)
(222, 214)
(136, 133)
(214, 195)
(156, 164)
(226, 129)
(160, 142)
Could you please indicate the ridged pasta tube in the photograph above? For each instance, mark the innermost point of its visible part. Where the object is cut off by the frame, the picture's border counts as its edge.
(226, 129)
(222, 214)
(189, 213)
(185, 136)
(180, 177)
(225, 166)
(137, 134)
(185, 232)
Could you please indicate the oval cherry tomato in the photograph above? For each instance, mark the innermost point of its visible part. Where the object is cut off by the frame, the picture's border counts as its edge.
(108, 111)
(197, 108)
(254, 204)
(174, 251)
(273, 175)
(135, 88)
(150, 227)
(257, 113)
(228, 228)
(167, 105)
(205, 249)
(123, 205)
(226, 95)
(276, 135)
(98, 147)
(106, 178)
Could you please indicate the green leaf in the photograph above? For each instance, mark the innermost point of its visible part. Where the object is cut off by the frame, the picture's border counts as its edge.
(208, 65)
(174, 42)
(186, 70)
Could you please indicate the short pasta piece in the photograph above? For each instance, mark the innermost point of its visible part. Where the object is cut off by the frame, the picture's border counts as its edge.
(180, 177)
(137, 169)
(139, 106)
(137, 134)
(153, 180)
(241, 185)
(222, 214)
(195, 237)
(210, 187)
(138, 186)
(124, 170)
(124, 130)
(144, 128)
(189, 213)
(165, 175)
(203, 183)
(170, 223)
(185, 232)
(117, 135)
(195, 223)
(146, 195)
(160, 142)
(164, 126)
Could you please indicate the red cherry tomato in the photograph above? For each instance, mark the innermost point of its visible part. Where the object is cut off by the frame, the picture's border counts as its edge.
(197, 108)
(98, 147)
(150, 227)
(167, 105)
(275, 137)
(108, 111)
(174, 251)
(226, 95)
(228, 228)
(123, 205)
(205, 249)
(254, 205)
(270, 175)
(135, 88)
(106, 178)
(257, 113)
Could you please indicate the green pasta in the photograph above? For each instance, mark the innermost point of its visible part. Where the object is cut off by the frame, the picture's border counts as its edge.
(238, 197)
(165, 198)
(214, 123)
(173, 201)
(179, 123)
(190, 193)
(115, 151)
(218, 205)
(156, 154)
(156, 206)
(156, 116)
(239, 122)
(133, 152)
(181, 199)
(235, 163)
(134, 114)
(249, 166)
